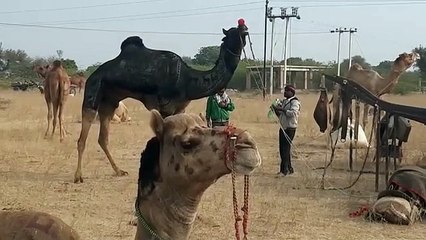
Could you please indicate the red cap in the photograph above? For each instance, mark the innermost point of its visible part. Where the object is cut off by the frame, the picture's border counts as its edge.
(241, 22)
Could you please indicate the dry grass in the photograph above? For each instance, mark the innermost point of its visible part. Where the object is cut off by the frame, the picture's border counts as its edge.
(37, 174)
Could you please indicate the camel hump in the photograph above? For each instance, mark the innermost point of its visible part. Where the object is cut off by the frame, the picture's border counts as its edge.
(132, 41)
(57, 63)
(356, 66)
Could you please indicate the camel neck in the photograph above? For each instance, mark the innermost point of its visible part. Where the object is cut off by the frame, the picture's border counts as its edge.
(391, 81)
(169, 213)
(208, 82)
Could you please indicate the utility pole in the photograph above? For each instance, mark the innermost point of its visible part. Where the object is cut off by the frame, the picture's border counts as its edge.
(272, 19)
(351, 31)
(341, 30)
(271, 74)
(264, 49)
(284, 15)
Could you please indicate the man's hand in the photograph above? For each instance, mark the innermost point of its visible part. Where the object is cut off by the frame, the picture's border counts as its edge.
(222, 104)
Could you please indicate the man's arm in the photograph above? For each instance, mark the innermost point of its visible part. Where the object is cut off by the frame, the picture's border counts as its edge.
(230, 107)
(294, 109)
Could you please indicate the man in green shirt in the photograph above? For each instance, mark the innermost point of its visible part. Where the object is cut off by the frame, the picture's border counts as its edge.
(218, 108)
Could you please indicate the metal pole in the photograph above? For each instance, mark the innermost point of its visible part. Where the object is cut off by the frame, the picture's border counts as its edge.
(271, 75)
(285, 55)
(351, 31)
(338, 53)
(264, 49)
(350, 46)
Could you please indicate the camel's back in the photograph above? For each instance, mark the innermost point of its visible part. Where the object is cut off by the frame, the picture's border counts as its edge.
(365, 77)
(31, 225)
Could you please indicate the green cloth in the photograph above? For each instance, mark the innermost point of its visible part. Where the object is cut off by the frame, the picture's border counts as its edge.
(271, 112)
(217, 113)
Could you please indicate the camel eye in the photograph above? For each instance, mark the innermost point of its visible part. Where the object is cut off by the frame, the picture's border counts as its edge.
(190, 143)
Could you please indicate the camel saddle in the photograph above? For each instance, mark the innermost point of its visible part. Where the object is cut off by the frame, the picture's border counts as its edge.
(404, 199)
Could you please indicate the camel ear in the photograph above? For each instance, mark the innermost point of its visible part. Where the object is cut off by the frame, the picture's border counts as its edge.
(203, 117)
(224, 31)
(157, 123)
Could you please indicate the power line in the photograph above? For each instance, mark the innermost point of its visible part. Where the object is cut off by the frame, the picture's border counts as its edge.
(144, 15)
(153, 17)
(137, 31)
(77, 7)
(365, 4)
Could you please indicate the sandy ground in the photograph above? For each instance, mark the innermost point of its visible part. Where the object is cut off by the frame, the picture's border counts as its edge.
(37, 174)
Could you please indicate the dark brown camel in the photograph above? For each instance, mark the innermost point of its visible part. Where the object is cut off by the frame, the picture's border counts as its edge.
(159, 79)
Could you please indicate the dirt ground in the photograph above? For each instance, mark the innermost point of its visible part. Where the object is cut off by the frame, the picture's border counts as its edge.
(37, 174)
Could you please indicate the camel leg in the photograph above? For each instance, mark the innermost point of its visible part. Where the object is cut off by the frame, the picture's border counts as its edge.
(55, 117)
(106, 111)
(88, 116)
(49, 118)
(62, 132)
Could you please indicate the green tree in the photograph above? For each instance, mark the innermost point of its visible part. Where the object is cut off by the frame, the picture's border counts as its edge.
(421, 63)
(70, 66)
(207, 55)
(384, 67)
(187, 60)
(90, 69)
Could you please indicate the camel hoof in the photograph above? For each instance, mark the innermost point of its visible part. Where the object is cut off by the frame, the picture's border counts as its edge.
(78, 179)
(133, 222)
(122, 173)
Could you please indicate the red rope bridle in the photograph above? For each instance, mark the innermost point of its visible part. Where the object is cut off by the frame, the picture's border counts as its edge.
(230, 156)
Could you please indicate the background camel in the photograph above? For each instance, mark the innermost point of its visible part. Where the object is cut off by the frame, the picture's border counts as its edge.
(372, 81)
(56, 90)
(79, 80)
(31, 225)
(159, 79)
(121, 114)
(183, 159)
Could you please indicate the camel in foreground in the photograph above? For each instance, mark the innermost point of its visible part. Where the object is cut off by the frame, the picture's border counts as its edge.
(56, 90)
(373, 82)
(179, 163)
(31, 225)
(159, 79)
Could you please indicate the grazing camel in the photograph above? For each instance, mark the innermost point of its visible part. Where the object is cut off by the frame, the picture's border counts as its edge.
(56, 90)
(31, 225)
(159, 79)
(373, 82)
(179, 163)
(79, 80)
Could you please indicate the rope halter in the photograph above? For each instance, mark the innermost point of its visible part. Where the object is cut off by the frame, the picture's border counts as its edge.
(230, 156)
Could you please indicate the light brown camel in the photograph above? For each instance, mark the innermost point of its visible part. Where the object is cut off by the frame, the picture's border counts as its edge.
(79, 80)
(32, 225)
(41, 70)
(372, 81)
(121, 114)
(157, 78)
(179, 163)
(56, 90)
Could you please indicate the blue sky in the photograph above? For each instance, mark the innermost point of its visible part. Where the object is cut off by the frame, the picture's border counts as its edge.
(385, 28)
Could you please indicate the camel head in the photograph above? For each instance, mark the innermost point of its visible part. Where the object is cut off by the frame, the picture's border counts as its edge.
(405, 61)
(191, 155)
(235, 38)
(41, 70)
